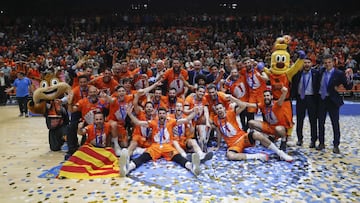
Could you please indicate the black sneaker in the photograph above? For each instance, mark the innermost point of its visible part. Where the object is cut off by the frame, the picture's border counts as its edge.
(207, 157)
(283, 146)
(320, 147)
(299, 143)
(336, 150)
(312, 145)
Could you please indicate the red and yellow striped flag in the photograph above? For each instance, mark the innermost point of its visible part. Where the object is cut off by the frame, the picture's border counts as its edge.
(91, 162)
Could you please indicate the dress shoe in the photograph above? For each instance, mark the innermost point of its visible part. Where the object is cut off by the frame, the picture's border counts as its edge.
(299, 143)
(312, 145)
(320, 147)
(336, 150)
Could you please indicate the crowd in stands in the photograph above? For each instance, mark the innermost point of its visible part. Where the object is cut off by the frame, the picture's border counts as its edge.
(37, 44)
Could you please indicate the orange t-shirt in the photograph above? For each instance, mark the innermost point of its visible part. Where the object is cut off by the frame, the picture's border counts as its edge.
(86, 108)
(229, 128)
(238, 89)
(79, 93)
(212, 103)
(117, 109)
(139, 82)
(174, 81)
(108, 87)
(275, 115)
(97, 137)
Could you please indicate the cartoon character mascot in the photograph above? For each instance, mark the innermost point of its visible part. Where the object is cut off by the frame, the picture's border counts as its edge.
(46, 101)
(281, 73)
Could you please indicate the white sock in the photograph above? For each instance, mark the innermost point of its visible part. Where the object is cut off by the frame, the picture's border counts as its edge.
(115, 141)
(201, 154)
(183, 154)
(279, 152)
(132, 166)
(188, 165)
(274, 148)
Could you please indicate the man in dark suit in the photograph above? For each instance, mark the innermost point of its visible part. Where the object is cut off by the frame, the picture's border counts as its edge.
(330, 100)
(305, 88)
(4, 84)
(198, 69)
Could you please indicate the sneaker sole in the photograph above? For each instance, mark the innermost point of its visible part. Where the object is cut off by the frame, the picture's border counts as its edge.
(122, 164)
(196, 163)
(266, 157)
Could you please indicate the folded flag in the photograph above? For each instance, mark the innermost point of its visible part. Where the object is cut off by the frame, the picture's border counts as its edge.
(91, 162)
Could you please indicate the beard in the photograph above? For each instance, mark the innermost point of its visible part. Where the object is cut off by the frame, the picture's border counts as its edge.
(267, 102)
(172, 99)
(234, 78)
(93, 99)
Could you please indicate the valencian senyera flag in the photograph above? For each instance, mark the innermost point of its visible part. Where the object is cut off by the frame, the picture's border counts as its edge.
(91, 162)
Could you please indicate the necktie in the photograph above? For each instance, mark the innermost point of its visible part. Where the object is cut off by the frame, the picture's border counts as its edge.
(324, 85)
(302, 91)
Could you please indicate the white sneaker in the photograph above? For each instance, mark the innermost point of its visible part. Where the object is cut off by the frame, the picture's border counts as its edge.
(287, 157)
(290, 142)
(195, 164)
(123, 163)
(264, 157)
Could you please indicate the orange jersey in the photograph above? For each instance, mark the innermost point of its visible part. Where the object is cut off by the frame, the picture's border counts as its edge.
(277, 82)
(181, 133)
(221, 98)
(140, 82)
(143, 135)
(174, 81)
(162, 134)
(122, 75)
(255, 83)
(229, 128)
(192, 101)
(108, 87)
(97, 137)
(238, 89)
(170, 106)
(117, 109)
(86, 108)
(76, 79)
(79, 93)
(276, 115)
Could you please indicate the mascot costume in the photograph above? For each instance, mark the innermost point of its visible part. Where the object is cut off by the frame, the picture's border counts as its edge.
(280, 74)
(46, 102)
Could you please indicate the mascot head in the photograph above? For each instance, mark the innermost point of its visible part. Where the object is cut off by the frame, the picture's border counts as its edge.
(280, 58)
(50, 89)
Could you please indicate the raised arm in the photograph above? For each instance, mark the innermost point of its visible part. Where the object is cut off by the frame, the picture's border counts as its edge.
(135, 120)
(191, 116)
(240, 105)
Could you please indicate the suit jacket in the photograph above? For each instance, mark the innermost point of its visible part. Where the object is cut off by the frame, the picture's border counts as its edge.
(337, 78)
(296, 81)
(192, 76)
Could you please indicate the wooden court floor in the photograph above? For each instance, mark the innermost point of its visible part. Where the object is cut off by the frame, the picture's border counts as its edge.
(25, 154)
